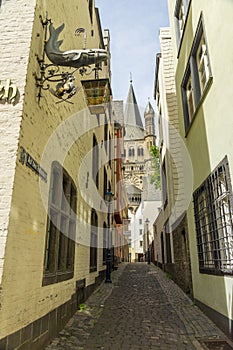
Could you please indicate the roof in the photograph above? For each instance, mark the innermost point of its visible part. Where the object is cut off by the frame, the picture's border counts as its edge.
(131, 189)
(149, 109)
(118, 111)
(133, 123)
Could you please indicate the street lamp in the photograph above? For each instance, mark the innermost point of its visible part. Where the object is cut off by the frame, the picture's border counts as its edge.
(108, 198)
(148, 243)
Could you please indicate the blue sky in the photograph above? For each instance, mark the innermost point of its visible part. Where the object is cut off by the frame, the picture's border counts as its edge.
(134, 29)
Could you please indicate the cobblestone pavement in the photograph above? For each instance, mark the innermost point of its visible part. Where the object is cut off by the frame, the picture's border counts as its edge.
(141, 309)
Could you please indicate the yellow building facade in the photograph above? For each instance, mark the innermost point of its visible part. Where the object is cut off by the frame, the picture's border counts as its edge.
(202, 70)
(57, 163)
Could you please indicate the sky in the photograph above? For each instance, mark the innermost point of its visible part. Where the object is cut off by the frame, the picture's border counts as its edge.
(134, 41)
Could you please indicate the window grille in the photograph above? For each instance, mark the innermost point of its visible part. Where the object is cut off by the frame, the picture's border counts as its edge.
(213, 218)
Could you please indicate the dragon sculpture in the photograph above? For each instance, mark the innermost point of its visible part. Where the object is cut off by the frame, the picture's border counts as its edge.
(71, 58)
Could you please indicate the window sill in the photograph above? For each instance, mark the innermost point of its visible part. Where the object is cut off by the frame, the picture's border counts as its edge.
(50, 278)
(215, 272)
(93, 269)
(203, 96)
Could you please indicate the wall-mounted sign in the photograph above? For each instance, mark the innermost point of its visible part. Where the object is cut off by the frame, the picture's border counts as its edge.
(8, 92)
(26, 158)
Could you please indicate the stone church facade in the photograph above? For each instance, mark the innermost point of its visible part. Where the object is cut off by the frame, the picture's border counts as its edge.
(137, 143)
(143, 198)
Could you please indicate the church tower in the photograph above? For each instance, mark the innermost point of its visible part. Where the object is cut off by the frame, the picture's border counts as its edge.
(133, 166)
(149, 116)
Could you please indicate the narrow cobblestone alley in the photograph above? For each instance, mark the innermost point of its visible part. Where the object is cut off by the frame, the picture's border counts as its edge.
(141, 309)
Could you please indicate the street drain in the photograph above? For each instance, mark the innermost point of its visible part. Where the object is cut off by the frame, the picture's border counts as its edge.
(216, 345)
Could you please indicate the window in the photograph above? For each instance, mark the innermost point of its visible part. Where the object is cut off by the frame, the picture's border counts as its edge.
(181, 13)
(168, 243)
(164, 185)
(189, 98)
(141, 243)
(213, 204)
(105, 133)
(131, 152)
(181, 16)
(140, 151)
(196, 77)
(140, 221)
(61, 227)
(110, 150)
(105, 187)
(91, 9)
(140, 231)
(95, 161)
(93, 241)
(104, 243)
(202, 63)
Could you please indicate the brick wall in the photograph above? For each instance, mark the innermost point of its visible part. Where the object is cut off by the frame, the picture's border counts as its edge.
(16, 29)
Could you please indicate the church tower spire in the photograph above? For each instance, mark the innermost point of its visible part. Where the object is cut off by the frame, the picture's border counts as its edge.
(149, 116)
(133, 122)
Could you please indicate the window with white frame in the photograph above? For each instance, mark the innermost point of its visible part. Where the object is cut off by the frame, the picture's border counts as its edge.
(196, 77)
(202, 63)
(181, 13)
(213, 205)
(188, 87)
(181, 16)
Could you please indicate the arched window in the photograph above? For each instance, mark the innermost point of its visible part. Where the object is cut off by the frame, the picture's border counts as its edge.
(95, 161)
(140, 151)
(131, 152)
(93, 241)
(104, 242)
